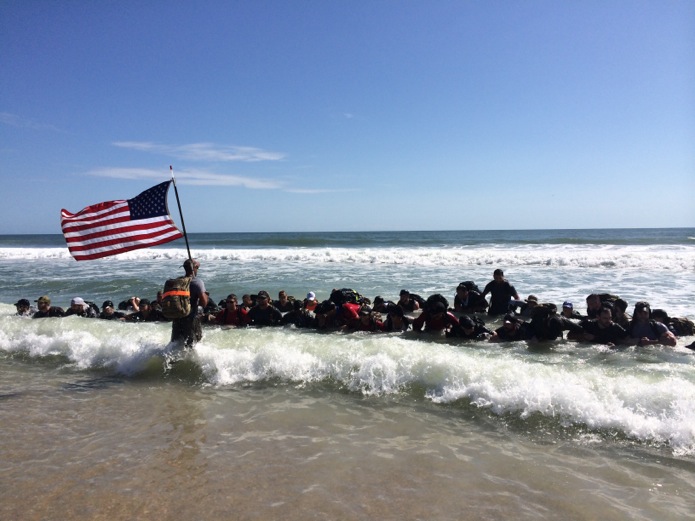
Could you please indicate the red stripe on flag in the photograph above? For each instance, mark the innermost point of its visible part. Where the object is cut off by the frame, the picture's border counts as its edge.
(114, 227)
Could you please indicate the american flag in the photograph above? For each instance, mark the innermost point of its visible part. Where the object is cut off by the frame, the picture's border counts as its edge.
(114, 227)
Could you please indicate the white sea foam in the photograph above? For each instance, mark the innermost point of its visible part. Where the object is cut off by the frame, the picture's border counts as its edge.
(646, 395)
(670, 258)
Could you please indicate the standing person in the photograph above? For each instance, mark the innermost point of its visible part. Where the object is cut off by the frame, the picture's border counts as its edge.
(501, 293)
(187, 330)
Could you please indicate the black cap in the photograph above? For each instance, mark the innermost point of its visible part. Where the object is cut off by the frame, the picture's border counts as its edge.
(107, 304)
(23, 302)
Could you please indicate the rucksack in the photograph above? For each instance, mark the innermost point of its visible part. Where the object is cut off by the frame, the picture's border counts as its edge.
(437, 297)
(472, 286)
(607, 297)
(341, 296)
(681, 326)
(417, 298)
(176, 298)
(95, 309)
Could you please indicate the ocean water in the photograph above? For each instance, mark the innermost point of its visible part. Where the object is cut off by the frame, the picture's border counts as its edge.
(294, 424)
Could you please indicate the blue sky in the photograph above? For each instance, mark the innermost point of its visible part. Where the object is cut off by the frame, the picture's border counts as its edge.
(327, 115)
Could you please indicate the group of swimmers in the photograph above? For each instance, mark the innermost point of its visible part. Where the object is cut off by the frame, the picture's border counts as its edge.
(605, 322)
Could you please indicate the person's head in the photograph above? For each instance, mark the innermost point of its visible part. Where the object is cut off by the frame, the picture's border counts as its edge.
(438, 308)
(498, 275)
(282, 296)
(462, 290)
(22, 305)
(510, 322)
(620, 306)
(605, 316)
(404, 295)
(263, 299)
(660, 315)
(467, 324)
(231, 301)
(311, 296)
(247, 300)
(107, 307)
(567, 308)
(365, 315)
(145, 305)
(642, 311)
(191, 266)
(160, 296)
(532, 301)
(77, 304)
(593, 301)
(43, 303)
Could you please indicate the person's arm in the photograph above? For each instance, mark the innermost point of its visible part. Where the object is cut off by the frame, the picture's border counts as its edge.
(668, 339)
(514, 293)
(419, 321)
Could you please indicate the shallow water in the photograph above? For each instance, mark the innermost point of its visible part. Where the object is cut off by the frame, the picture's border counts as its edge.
(79, 446)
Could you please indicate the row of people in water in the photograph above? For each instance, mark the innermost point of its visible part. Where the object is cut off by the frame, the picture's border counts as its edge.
(605, 321)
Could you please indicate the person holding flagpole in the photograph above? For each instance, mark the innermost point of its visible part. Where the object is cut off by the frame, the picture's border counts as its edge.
(188, 330)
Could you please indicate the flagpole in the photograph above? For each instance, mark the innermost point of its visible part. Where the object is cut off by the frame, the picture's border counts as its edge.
(183, 224)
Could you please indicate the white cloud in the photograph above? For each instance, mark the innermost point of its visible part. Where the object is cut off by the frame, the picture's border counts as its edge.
(203, 151)
(319, 190)
(189, 177)
(16, 121)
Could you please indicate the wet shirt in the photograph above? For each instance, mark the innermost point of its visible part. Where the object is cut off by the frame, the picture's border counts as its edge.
(612, 334)
(652, 330)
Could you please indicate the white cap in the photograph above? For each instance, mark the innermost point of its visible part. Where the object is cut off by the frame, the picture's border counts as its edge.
(311, 296)
(77, 301)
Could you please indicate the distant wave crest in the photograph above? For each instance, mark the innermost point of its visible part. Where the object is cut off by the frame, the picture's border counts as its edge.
(633, 257)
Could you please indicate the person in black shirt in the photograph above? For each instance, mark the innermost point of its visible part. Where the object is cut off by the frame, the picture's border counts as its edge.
(109, 313)
(603, 330)
(46, 310)
(501, 293)
(263, 313)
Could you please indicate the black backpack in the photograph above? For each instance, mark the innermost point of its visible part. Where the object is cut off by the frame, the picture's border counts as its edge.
(472, 286)
(681, 326)
(341, 296)
(417, 298)
(433, 299)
